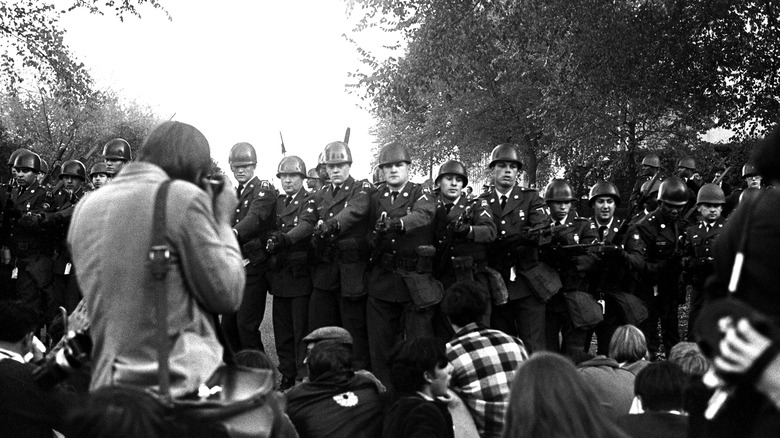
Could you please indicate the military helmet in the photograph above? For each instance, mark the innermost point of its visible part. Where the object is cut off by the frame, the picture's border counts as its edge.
(44, 166)
(29, 160)
(15, 154)
(312, 174)
(651, 160)
(646, 184)
(291, 164)
(74, 168)
(242, 154)
(673, 191)
(558, 190)
(687, 163)
(117, 149)
(337, 153)
(394, 152)
(505, 152)
(749, 170)
(604, 188)
(711, 194)
(378, 176)
(453, 167)
(97, 169)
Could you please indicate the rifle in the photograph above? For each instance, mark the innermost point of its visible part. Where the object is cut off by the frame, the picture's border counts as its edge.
(284, 151)
(449, 239)
(89, 154)
(54, 165)
(346, 136)
(722, 175)
(622, 233)
(378, 237)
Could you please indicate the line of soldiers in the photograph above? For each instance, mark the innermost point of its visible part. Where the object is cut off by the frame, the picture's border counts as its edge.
(36, 265)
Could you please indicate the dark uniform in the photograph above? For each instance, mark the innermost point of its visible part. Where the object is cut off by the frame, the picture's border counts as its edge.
(698, 264)
(290, 278)
(66, 290)
(339, 294)
(463, 257)
(253, 221)
(391, 314)
(571, 267)
(660, 241)
(510, 254)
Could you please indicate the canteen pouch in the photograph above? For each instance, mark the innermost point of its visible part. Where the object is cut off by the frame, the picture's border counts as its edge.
(425, 258)
(464, 268)
(352, 269)
(544, 280)
(631, 307)
(498, 290)
(424, 290)
(584, 311)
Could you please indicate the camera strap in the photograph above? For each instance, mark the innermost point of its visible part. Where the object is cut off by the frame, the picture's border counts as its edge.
(159, 255)
(739, 257)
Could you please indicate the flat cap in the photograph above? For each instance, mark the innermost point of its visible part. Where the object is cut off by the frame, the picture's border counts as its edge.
(330, 333)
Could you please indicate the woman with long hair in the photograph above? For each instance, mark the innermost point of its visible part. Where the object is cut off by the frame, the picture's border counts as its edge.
(550, 399)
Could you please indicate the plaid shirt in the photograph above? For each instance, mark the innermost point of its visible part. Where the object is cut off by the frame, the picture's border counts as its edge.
(484, 362)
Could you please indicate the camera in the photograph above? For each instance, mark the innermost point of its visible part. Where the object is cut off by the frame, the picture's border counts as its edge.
(57, 367)
(216, 182)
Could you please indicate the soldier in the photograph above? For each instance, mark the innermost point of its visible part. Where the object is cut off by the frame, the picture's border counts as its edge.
(313, 180)
(31, 251)
(651, 164)
(659, 238)
(99, 175)
(649, 202)
(752, 181)
(43, 172)
(252, 223)
(686, 171)
(401, 289)
(340, 211)
(568, 230)
(116, 154)
(322, 171)
(73, 177)
(290, 274)
(699, 243)
(463, 230)
(513, 254)
(378, 177)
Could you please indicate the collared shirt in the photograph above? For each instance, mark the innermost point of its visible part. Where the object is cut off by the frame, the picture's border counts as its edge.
(8, 354)
(484, 363)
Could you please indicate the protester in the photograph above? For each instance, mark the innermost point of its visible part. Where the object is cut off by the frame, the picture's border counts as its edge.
(420, 374)
(613, 385)
(116, 411)
(659, 391)
(335, 402)
(629, 348)
(696, 395)
(549, 398)
(205, 274)
(483, 360)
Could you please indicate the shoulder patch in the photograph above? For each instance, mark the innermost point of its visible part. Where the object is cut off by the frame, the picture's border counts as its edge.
(265, 185)
(366, 185)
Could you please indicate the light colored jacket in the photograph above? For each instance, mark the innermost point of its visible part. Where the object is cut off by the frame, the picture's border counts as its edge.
(110, 238)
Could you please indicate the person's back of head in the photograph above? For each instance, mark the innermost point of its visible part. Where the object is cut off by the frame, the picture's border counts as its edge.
(688, 356)
(17, 320)
(549, 398)
(116, 411)
(410, 360)
(660, 386)
(179, 149)
(464, 303)
(328, 357)
(628, 344)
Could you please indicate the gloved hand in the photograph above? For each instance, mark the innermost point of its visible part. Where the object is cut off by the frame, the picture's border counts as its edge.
(29, 220)
(460, 229)
(395, 225)
(326, 229)
(612, 252)
(277, 242)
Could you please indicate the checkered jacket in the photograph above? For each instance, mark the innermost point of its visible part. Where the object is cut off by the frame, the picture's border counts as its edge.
(484, 362)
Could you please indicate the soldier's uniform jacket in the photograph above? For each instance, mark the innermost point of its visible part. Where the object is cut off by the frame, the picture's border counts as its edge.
(58, 221)
(415, 206)
(291, 271)
(611, 272)
(524, 210)
(5, 217)
(254, 219)
(571, 264)
(349, 209)
(661, 244)
(480, 219)
(699, 243)
(26, 235)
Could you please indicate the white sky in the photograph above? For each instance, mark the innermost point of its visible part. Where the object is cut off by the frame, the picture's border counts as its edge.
(238, 70)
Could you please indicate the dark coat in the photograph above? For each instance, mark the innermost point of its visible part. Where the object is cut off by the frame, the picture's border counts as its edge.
(290, 273)
(415, 417)
(254, 220)
(654, 425)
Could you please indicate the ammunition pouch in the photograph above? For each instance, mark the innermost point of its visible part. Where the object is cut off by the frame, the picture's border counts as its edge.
(424, 290)
(463, 267)
(544, 280)
(425, 258)
(631, 308)
(498, 290)
(584, 311)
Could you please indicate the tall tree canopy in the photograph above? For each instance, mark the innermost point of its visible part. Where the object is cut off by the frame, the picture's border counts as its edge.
(569, 81)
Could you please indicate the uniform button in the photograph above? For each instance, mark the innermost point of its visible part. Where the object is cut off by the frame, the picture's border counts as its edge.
(392, 240)
(331, 215)
(503, 222)
(503, 232)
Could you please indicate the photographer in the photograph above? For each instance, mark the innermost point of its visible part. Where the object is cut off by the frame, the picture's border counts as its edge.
(26, 408)
(110, 238)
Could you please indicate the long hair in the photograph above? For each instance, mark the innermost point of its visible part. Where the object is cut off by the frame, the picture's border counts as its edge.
(550, 399)
(179, 149)
(628, 344)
